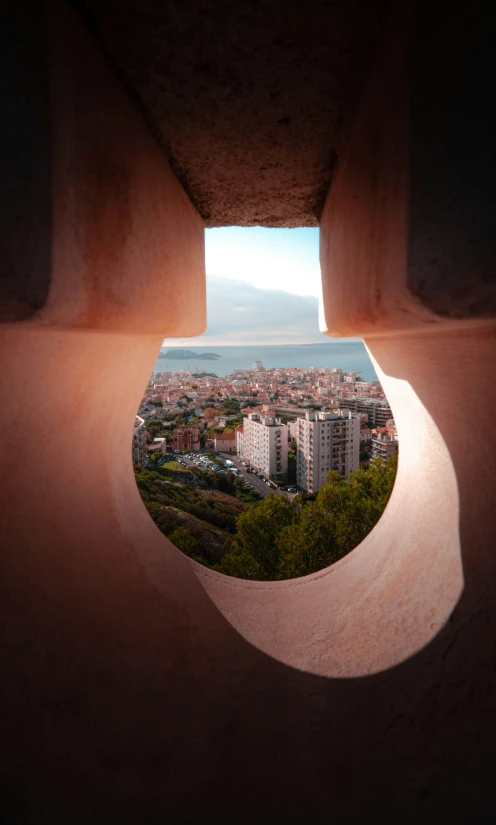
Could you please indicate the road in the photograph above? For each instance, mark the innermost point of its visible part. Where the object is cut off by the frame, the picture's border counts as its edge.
(259, 485)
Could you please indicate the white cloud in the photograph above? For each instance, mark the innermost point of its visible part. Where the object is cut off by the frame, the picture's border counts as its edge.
(268, 259)
(239, 313)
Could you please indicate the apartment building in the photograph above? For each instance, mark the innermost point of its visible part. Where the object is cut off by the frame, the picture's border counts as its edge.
(384, 445)
(378, 410)
(239, 439)
(326, 441)
(139, 441)
(265, 444)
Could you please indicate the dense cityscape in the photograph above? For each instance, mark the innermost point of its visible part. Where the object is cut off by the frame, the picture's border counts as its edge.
(280, 409)
(208, 448)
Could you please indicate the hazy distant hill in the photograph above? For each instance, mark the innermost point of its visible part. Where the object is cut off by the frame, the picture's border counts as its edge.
(187, 354)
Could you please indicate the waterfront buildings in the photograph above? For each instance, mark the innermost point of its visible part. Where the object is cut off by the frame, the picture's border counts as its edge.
(326, 441)
(265, 444)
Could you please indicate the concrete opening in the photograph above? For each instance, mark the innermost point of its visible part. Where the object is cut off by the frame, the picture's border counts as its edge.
(264, 387)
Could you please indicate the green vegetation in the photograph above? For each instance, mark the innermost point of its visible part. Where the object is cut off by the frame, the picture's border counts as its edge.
(280, 539)
(174, 466)
(230, 406)
(156, 428)
(198, 520)
(196, 509)
(207, 515)
(291, 474)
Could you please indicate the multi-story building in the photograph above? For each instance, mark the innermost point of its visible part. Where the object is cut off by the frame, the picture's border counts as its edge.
(325, 442)
(265, 444)
(225, 442)
(378, 410)
(384, 446)
(139, 441)
(186, 439)
(239, 439)
(288, 410)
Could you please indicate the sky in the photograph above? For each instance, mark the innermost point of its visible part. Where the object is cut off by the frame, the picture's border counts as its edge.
(263, 287)
(286, 259)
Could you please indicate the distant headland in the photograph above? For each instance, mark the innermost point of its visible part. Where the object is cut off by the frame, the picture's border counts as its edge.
(187, 354)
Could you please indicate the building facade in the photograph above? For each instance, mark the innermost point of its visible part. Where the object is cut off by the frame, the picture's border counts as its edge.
(139, 441)
(225, 442)
(378, 411)
(384, 446)
(325, 442)
(239, 440)
(186, 439)
(265, 445)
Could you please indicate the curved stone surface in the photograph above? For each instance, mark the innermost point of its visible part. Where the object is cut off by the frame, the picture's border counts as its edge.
(138, 687)
(106, 219)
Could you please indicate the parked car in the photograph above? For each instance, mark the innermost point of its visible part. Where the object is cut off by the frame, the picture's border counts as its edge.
(292, 490)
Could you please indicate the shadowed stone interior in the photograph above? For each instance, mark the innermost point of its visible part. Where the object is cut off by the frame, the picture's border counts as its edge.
(250, 101)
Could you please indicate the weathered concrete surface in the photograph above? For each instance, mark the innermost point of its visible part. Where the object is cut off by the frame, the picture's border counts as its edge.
(106, 219)
(250, 101)
(407, 230)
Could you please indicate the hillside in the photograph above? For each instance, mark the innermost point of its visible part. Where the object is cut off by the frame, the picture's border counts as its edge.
(190, 501)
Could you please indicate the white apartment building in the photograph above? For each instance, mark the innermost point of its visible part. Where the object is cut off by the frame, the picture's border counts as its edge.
(326, 441)
(265, 444)
(240, 436)
(139, 441)
(384, 445)
(378, 410)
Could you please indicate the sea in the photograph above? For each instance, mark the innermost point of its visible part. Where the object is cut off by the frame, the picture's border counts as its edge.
(350, 355)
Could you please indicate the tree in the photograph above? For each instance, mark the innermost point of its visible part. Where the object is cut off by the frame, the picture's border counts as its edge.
(279, 539)
(291, 474)
(308, 546)
(255, 553)
(182, 538)
(231, 405)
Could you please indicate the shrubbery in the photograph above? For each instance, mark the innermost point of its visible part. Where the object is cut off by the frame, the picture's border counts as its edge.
(275, 538)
